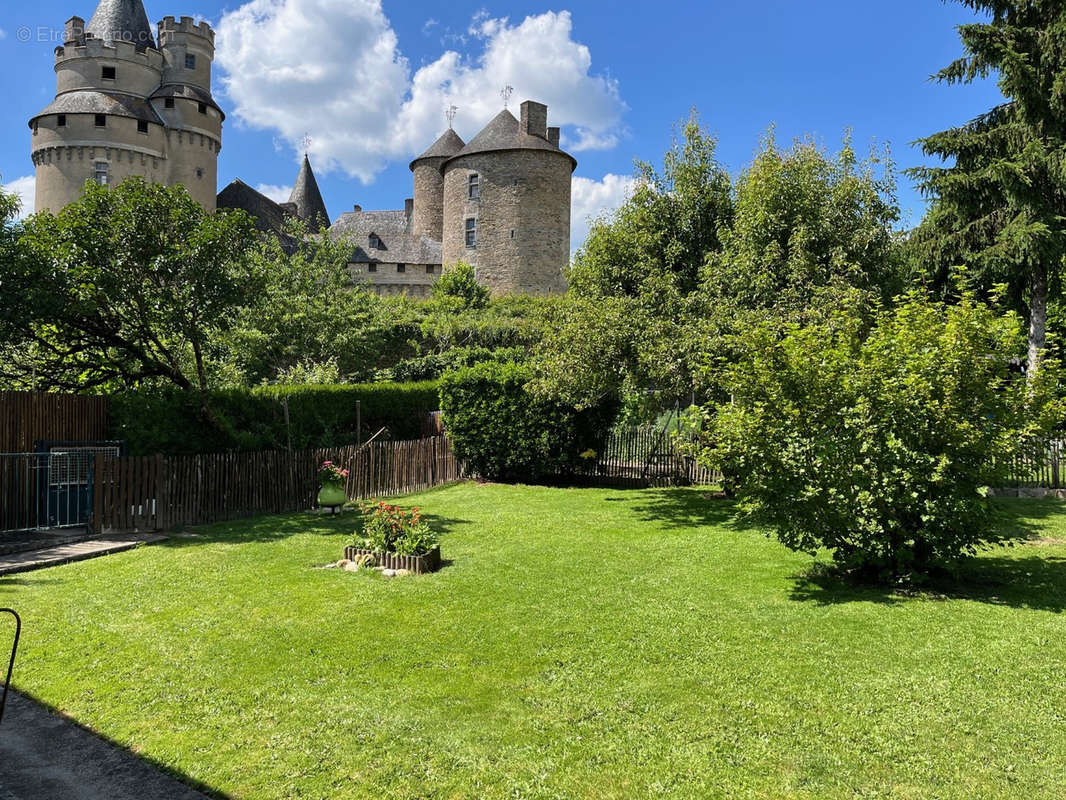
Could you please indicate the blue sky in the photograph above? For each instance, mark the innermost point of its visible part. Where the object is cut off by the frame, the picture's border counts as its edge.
(369, 81)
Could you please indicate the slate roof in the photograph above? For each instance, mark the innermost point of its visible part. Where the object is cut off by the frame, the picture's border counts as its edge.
(87, 101)
(122, 20)
(308, 198)
(189, 93)
(445, 147)
(505, 133)
(398, 246)
(269, 216)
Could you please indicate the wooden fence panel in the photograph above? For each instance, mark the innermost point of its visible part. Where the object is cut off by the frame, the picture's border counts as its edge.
(29, 417)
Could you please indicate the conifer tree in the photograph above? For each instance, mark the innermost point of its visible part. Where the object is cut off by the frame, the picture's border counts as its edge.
(1000, 208)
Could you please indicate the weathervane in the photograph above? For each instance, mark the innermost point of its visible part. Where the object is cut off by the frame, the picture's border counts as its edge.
(450, 114)
(505, 93)
(306, 142)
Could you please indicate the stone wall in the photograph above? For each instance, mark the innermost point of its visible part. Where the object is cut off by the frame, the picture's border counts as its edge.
(523, 218)
(415, 280)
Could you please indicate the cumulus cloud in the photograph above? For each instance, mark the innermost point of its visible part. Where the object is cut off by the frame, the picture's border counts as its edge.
(26, 189)
(279, 194)
(591, 199)
(333, 69)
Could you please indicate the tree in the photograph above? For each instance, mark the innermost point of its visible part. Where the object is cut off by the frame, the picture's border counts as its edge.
(877, 445)
(128, 285)
(1000, 207)
(458, 287)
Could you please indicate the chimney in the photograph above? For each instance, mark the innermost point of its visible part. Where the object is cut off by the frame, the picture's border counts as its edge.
(75, 31)
(535, 119)
(288, 208)
(553, 136)
(409, 210)
(357, 209)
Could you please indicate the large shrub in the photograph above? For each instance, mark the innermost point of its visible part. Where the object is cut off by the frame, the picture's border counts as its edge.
(878, 446)
(170, 421)
(503, 432)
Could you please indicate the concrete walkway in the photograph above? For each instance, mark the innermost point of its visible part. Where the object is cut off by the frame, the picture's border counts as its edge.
(46, 757)
(75, 551)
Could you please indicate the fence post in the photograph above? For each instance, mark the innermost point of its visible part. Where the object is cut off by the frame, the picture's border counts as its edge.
(97, 520)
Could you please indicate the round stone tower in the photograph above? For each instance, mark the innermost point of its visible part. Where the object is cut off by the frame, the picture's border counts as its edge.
(507, 204)
(428, 216)
(125, 106)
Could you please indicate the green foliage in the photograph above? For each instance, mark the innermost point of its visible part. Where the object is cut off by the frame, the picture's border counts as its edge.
(877, 446)
(161, 420)
(999, 199)
(457, 287)
(503, 432)
(391, 529)
(432, 365)
(127, 285)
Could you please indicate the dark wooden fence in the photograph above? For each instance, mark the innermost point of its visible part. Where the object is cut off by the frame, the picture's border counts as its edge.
(163, 492)
(29, 417)
(641, 458)
(1040, 467)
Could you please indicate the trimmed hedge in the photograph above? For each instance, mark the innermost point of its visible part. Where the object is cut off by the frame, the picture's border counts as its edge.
(171, 421)
(502, 432)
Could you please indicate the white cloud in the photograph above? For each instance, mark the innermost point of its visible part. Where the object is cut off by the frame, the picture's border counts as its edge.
(333, 69)
(3, 33)
(26, 189)
(592, 199)
(279, 194)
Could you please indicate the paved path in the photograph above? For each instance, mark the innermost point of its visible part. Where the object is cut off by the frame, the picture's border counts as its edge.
(46, 757)
(77, 551)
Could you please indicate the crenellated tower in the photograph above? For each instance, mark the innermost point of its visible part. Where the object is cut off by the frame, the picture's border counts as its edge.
(127, 106)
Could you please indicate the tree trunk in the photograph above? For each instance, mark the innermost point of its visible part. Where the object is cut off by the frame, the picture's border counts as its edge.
(1037, 318)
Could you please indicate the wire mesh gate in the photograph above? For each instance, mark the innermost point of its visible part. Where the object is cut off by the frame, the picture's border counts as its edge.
(49, 489)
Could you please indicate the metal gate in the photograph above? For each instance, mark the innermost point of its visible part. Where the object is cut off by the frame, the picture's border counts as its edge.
(52, 488)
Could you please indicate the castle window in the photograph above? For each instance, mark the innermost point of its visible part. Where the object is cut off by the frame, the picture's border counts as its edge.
(512, 233)
(429, 269)
(168, 102)
(101, 120)
(108, 73)
(61, 121)
(34, 128)
(371, 267)
(203, 108)
(190, 61)
(474, 187)
(142, 126)
(103, 173)
(471, 233)
(375, 242)
(401, 268)
(199, 172)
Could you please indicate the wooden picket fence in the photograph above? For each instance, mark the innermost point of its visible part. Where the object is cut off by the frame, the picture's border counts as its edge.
(1040, 467)
(29, 417)
(165, 492)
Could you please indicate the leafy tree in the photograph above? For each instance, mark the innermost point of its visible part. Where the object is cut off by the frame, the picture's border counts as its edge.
(1000, 206)
(457, 287)
(877, 446)
(128, 285)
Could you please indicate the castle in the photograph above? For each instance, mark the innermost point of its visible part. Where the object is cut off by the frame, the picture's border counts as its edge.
(126, 106)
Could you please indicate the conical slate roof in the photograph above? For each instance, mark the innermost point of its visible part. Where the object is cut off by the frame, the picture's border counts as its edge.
(445, 147)
(122, 20)
(308, 199)
(505, 133)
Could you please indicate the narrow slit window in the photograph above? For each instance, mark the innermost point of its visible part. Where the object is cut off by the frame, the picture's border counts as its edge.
(471, 233)
(203, 108)
(474, 187)
(61, 121)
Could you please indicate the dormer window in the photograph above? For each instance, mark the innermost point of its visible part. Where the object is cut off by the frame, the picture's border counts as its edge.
(474, 187)
(168, 102)
(190, 61)
(375, 242)
(108, 73)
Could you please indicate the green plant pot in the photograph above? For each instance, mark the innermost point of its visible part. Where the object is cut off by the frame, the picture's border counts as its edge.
(332, 495)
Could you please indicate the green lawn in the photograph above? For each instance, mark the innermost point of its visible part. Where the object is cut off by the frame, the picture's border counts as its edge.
(579, 643)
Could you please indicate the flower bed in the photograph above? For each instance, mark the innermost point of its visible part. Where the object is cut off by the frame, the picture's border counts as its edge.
(395, 539)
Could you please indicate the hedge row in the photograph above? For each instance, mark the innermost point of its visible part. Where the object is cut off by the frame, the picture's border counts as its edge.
(172, 422)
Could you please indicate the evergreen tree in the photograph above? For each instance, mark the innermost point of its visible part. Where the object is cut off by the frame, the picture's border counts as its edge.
(1000, 207)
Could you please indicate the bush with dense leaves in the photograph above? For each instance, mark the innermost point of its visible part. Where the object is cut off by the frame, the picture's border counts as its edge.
(170, 421)
(878, 445)
(503, 432)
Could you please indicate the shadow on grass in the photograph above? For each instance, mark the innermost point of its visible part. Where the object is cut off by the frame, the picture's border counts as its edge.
(1033, 581)
(276, 527)
(682, 507)
(10, 583)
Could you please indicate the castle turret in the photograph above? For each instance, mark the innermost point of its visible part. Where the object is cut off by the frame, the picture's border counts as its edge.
(427, 217)
(307, 199)
(507, 204)
(125, 106)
